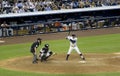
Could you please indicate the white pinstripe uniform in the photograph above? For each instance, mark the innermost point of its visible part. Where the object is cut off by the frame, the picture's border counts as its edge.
(73, 45)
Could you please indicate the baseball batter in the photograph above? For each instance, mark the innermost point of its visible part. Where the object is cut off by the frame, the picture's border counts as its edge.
(73, 46)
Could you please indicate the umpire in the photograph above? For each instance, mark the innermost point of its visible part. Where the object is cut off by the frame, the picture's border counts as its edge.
(33, 49)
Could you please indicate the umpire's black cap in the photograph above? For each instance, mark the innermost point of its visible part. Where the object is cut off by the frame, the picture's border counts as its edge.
(73, 35)
(39, 39)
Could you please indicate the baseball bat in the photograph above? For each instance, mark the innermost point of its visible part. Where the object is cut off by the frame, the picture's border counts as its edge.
(69, 31)
(70, 28)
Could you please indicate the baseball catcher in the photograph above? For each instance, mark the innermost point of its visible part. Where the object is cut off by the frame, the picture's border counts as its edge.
(45, 53)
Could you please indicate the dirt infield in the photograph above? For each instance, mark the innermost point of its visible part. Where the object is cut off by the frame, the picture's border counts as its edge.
(95, 63)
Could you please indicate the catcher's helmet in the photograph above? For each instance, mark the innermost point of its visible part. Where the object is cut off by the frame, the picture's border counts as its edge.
(46, 45)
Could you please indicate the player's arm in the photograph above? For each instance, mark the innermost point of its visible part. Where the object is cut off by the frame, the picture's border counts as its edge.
(35, 48)
(73, 41)
(42, 50)
(68, 37)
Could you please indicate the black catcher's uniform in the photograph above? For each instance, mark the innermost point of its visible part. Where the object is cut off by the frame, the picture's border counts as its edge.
(45, 53)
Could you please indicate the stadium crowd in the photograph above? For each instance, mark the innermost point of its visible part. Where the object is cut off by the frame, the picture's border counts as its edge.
(21, 6)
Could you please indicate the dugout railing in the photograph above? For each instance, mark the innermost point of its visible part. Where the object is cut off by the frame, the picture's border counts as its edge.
(70, 24)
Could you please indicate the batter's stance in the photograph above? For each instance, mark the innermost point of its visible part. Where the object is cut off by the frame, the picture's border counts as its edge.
(73, 45)
(33, 49)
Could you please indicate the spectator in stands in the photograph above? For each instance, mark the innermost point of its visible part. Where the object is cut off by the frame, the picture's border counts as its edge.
(74, 4)
(47, 7)
(87, 4)
(81, 4)
(54, 7)
(0, 7)
(117, 22)
(4, 27)
(92, 22)
(98, 4)
(6, 6)
(15, 9)
(38, 7)
(86, 23)
(58, 26)
(92, 4)
(83, 24)
(63, 6)
(74, 26)
(20, 6)
(25, 7)
(107, 23)
(31, 6)
(113, 3)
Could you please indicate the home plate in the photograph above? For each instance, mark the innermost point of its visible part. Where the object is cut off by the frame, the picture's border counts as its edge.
(81, 61)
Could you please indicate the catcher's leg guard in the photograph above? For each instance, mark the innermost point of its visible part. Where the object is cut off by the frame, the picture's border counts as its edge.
(46, 58)
(43, 58)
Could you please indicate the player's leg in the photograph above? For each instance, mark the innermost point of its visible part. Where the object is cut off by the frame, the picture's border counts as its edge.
(40, 56)
(48, 55)
(78, 51)
(34, 58)
(43, 56)
(69, 52)
(81, 55)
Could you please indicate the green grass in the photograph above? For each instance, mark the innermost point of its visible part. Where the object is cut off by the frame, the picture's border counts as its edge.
(5, 72)
(11, 51)
(100, 44)
(94, 44)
